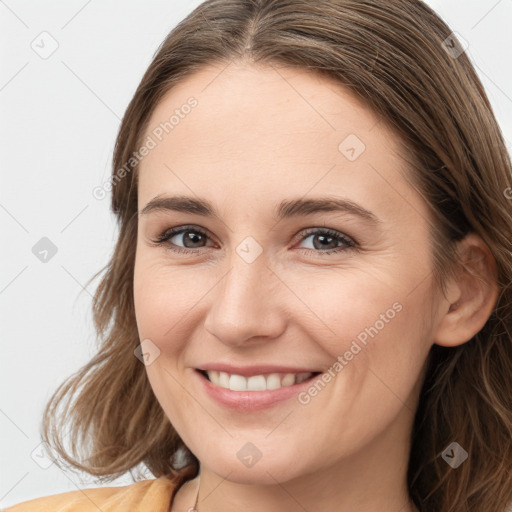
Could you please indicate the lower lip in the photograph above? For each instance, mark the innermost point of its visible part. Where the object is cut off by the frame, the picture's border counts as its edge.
(247, 401)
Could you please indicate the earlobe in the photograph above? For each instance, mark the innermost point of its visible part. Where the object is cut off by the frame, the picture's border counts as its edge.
(472, 294)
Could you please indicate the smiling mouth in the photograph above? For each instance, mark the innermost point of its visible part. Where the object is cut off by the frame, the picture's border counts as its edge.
(265, 382)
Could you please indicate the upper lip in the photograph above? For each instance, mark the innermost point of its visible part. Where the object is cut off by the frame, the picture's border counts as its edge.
(249, 371)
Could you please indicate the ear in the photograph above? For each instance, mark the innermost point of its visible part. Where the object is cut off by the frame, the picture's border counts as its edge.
(471, 296)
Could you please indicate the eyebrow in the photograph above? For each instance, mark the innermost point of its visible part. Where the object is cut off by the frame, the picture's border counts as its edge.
(286, 209)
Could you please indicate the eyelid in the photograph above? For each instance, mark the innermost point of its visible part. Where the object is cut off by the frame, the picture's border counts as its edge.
(178, 230)
(305, 232)
(350, 242)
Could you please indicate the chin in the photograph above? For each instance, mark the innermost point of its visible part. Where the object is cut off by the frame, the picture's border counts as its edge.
(266, 471)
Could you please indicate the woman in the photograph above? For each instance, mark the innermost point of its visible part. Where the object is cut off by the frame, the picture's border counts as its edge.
(309, 304)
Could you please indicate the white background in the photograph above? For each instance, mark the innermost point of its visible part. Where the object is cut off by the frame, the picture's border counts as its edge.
(59, 118)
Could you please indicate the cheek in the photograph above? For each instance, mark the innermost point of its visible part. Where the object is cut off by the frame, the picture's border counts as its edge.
(162, 298)
(371, 322)
(161, 303)
(372, 332)
(341, 305)
(367, 316)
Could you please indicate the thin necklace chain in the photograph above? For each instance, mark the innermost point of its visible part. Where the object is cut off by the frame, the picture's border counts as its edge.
(190, 509)
(194, 508)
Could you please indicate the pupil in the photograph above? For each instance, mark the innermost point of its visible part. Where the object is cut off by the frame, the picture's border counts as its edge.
(195, 238)
(192, 237)
(323, 237)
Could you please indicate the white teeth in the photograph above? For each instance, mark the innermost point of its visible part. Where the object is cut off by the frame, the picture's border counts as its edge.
(288, 380)
(273, 381)
(237, 383)
(256, 382)
(214, 377)
(223, 380)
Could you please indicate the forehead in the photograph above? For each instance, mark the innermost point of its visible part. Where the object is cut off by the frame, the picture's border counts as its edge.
(268, 131)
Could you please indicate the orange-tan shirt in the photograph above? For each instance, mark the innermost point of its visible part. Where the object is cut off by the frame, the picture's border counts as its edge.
(144, 496)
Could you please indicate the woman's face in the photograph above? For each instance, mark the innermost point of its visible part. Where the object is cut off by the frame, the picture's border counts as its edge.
(262, 288)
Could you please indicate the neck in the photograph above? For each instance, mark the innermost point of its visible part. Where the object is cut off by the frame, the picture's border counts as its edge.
(292, 497)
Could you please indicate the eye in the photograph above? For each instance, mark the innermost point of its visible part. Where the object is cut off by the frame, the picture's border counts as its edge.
(191, 236)
(324, 239)
(194, 238)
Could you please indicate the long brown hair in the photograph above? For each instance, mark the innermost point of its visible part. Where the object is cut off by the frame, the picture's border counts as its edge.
(402, 60)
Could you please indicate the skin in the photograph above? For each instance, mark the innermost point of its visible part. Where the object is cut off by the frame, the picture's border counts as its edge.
(260, 135)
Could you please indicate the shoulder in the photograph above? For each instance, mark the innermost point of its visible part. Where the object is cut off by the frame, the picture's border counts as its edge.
(151, 495)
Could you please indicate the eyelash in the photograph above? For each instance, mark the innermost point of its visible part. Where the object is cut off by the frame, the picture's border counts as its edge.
(164, 237)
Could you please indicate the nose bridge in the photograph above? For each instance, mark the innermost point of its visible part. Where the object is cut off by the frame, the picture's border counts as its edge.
(245, 301)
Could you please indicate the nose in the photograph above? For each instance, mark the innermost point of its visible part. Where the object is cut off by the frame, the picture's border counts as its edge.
(248, 304)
